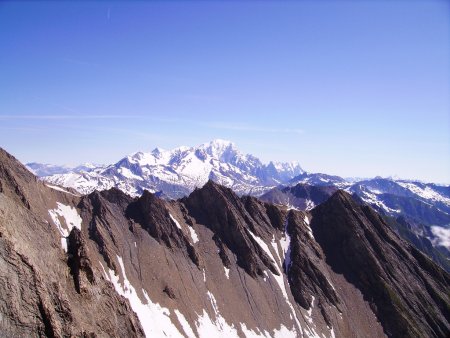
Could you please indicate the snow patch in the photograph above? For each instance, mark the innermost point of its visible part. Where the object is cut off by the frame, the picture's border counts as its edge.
(193, 234)
(311, 332)
(252, 334)
(286, 246)
(332, 334)
(309, 205)
(206, 327)
(54, 187)
(425, 192)
(309, 317)
(227, 272)
(154, 319)
(175, 221)
(275, 248)
(308, 227)
(371, 198)
(331, 284)
(71, 218)
(263, 246)
(185, 324)
(64, 243)
(282, 332)
(128, 174)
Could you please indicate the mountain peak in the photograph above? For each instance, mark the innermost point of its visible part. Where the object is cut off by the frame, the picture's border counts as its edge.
(367, 252)
(212, 187)
(219, 141)
(158, 151)
(342, 196)
(219, 148)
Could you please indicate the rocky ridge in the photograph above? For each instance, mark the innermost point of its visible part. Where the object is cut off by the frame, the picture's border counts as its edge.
(210, 264)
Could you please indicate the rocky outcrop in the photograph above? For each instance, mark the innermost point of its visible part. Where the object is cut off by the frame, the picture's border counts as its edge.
(221, 210)
(301, 196)
(407, 291)
(44, 291)
(306, 268)
(79, 262)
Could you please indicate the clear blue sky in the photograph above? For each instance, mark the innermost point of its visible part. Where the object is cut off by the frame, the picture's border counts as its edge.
(344, 87)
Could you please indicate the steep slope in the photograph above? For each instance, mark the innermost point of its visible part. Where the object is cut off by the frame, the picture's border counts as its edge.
(425, 207)
(41, 292)
(179, 171)
(407, 231)
(409, 294)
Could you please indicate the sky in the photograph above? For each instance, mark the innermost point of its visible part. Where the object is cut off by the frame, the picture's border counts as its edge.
(352, 88)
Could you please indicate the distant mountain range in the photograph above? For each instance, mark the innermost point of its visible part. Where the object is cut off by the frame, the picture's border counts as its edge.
(422, 208)
(175, 172)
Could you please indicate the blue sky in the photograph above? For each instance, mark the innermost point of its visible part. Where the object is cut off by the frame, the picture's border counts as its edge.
(344, 87)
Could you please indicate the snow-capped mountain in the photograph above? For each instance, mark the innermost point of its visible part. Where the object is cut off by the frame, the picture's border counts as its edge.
(179, 171)
(426, 203)
(319, 179)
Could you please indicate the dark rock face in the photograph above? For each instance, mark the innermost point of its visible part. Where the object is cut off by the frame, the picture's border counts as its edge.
(151, 213)
(38, 295)
(301, 196)
(408, 231)
(211, 264)
(219, 209)
(306, 276)
(407, 291)
(78, 261)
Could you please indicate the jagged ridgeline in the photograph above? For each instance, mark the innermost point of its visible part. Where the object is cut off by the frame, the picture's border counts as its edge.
(211, 264)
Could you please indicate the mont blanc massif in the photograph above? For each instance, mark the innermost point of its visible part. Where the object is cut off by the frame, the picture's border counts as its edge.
(208, 242)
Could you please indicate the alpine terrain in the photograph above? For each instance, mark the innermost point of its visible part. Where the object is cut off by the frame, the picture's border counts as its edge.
(419, 212)
(210, 264)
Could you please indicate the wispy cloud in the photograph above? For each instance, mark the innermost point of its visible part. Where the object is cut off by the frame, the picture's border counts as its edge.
(23, 129)
(67, 117)
(134, 132)
(251, 128)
